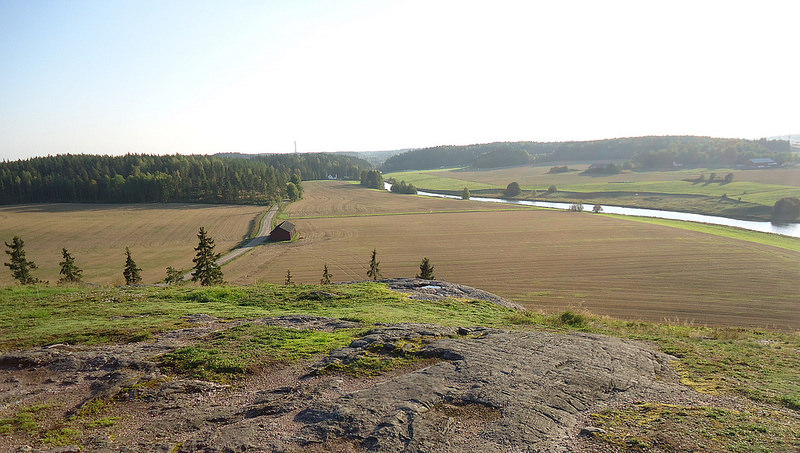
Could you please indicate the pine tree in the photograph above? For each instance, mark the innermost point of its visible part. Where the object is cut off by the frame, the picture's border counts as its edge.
(131, 272)
(174, 276)
(374, 270)
(326, 276)
(69, 271)
(20, 267)
(288, 280)
(206, 269)
(426, 269)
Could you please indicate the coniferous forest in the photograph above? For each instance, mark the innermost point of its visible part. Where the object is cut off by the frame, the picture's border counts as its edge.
(136, 178)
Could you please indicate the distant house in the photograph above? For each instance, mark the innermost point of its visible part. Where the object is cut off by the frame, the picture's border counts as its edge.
(285, 231)
(761, 162)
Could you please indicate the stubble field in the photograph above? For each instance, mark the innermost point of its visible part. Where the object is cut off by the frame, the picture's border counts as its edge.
(545, 260)
(159, 235)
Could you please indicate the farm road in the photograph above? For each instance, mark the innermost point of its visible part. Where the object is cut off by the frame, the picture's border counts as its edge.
(261, 238)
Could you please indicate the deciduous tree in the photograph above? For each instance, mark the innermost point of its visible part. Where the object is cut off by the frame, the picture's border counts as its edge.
(512, 190)
(465, 194)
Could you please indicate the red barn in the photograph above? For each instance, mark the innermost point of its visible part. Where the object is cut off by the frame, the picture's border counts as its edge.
(285, 231)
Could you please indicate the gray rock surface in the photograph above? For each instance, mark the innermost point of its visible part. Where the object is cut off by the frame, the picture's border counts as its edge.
(524, 391)
(478, 389)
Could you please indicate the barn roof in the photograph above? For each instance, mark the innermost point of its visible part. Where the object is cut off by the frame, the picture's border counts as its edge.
(285, 226)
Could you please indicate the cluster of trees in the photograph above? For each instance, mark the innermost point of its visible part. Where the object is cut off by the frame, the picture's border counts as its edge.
(403, 187)
(294, 188)
(646, 152)
(372, 179)
(605, 169)
(206, 269)
(135, 178)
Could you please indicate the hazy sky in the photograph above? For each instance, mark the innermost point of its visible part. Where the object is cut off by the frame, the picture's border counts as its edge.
(116, 76)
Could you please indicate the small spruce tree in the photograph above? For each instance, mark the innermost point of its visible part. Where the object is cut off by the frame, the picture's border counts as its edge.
(69, 271)
(426, 269)
(20, 267)
(132, 273)
(174, 276)
(326, 276)
(206, 269)
(374, 266)
(288, 280)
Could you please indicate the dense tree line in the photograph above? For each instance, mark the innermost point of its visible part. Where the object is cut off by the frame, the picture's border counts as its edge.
(646, 152)
(135, 178)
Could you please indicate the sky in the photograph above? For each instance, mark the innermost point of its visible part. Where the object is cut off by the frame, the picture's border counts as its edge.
(200, 77)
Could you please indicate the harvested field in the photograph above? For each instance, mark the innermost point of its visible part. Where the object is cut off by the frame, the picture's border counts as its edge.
(159, 235)
(337, 198)
(548, 260)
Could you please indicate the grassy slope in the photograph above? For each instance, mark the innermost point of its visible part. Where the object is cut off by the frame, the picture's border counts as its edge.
(159, 235)
(760, 367)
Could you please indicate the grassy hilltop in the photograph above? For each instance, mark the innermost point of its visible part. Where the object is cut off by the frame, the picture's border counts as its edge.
(759, 371)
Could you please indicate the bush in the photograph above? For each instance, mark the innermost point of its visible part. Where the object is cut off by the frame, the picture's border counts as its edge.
(571, 319)
(786, 209)
(552, 189)
(512, 190)
(402, 187)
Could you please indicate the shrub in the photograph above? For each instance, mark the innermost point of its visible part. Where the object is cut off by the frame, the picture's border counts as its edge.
(512, 190)
(786, 209)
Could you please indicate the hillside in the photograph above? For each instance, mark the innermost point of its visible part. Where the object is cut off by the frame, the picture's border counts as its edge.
(360, 367)
(645, 152)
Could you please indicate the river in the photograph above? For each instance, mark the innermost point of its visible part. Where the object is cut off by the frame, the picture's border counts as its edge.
(791, 229)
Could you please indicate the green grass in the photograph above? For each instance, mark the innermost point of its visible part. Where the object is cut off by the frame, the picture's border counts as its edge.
(433, 180)
(42, 315)
(775, 240)
(234, 352)
(745, 199)
(760, 367)
(25, 420)
(667, 428)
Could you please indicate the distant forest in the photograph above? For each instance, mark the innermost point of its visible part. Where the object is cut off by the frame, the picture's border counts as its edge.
(643, 152)
(138, 178)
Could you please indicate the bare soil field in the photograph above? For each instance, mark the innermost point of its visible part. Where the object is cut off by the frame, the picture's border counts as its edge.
(544, 260)
(159, 235)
